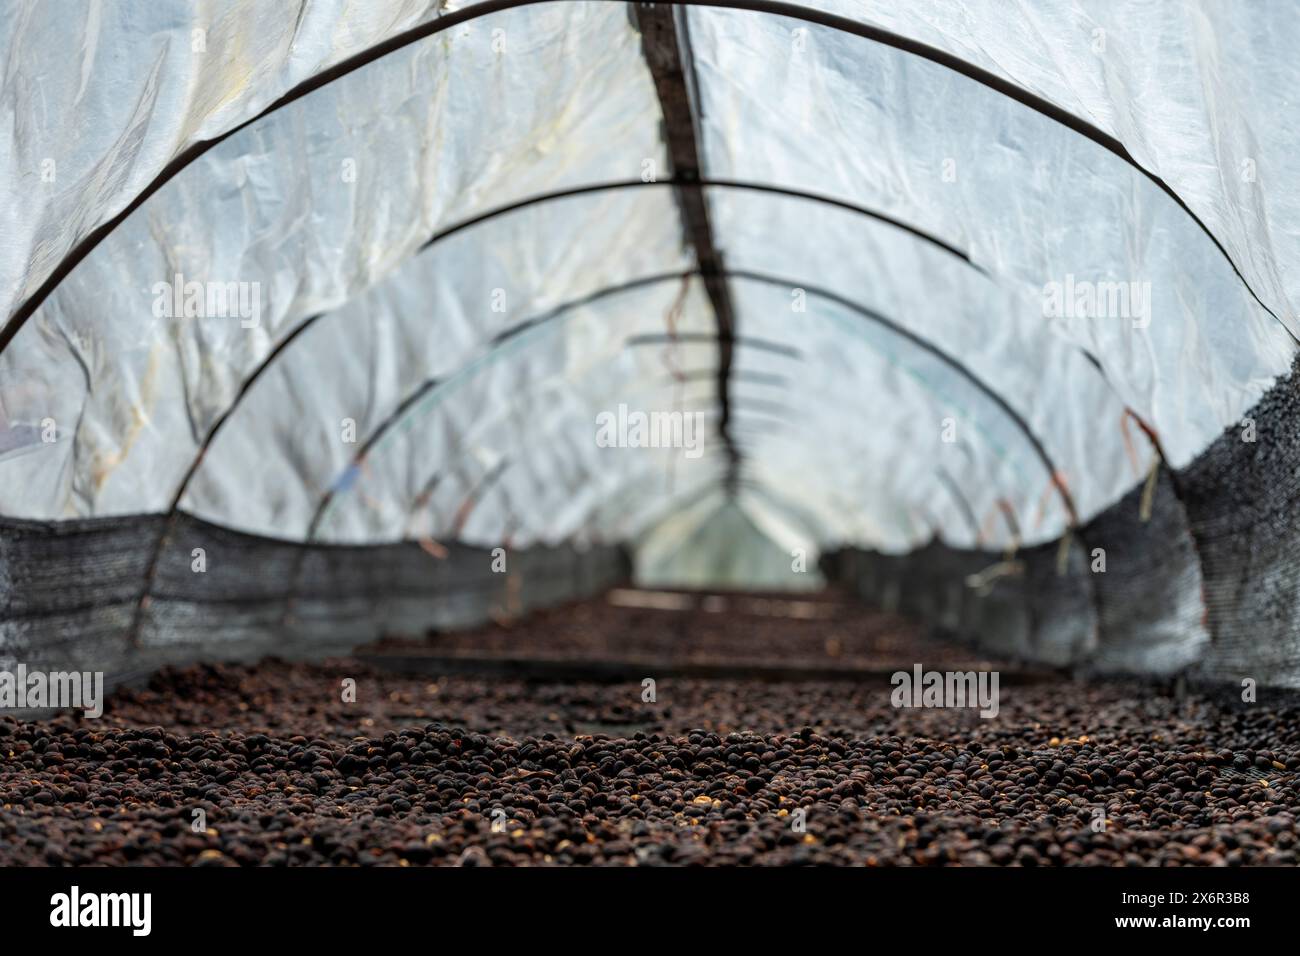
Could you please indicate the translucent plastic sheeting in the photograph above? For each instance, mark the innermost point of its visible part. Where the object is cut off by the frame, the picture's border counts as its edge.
(899, 412)
(561, 473)
(428, 421)
(994, 332)
(530, 406)
(322, 205)
(100, 97)
(1045, 210)
(1200, 93)
(437, 313)
(829, 505)
(643, 480)
(862, 375)
(553, 473)
(822, 465)
(305, 209)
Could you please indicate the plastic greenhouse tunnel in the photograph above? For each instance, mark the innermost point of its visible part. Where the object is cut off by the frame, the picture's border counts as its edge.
(587, 433)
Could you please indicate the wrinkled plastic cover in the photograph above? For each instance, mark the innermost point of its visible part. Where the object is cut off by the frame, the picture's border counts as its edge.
(453, 391)
(99, 97)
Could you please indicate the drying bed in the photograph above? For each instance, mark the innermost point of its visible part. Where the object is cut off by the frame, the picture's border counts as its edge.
(481, 770)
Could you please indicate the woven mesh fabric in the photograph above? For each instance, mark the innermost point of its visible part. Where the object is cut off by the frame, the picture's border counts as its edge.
(1201, 573)
(72, 590)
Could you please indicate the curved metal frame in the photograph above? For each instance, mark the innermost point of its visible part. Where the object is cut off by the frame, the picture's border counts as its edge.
(280, 348)
(439, 236)
(561, 311)
(773, 7)
(746, 407)
(673, 380)
(429, 386)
